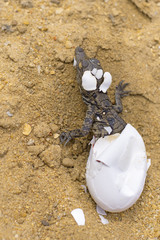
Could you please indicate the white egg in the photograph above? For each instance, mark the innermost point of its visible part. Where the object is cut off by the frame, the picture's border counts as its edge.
(74, 62)
(116, 170)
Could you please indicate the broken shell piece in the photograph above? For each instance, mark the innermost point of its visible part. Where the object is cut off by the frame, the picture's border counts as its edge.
(116, 170)
(89, 82)
(85, 188)
(94, 71)
(74, 62)
(106, 82)
(99, 73)
(148, 163)
(100, 211)
(103, 220)
(108, 129)
(92, 141)
(78, 216)
(9, 114)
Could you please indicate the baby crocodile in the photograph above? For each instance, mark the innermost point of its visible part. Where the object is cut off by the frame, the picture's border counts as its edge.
(101, 116)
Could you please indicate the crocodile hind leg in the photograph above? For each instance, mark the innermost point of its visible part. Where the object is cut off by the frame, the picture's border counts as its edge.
(120, 93)
(87, 124)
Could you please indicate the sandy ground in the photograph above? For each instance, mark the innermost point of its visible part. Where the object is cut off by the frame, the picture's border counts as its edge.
(39, 98)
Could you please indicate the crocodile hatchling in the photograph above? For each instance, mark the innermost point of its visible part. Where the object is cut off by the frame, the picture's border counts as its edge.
(101, 116)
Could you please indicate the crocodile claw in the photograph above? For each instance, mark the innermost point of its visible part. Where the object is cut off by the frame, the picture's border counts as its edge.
(65, 137)
(120, 89)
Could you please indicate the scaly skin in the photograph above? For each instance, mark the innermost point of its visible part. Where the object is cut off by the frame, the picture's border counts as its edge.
(101, 112)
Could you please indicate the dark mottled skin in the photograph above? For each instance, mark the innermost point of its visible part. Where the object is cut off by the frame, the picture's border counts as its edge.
(101, 112)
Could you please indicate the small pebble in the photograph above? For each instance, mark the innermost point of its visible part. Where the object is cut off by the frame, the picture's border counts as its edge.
(54, 127)
(26, 129)
(26, 23)
(39, 69)
(30, 142)
(68, 44)
(36, 150)
(59, 11)
(52, 72)
(9, 114)
(22, 29)
(45, 223)
(60, 66)
(31, 65)
(46, 71)
(3, 151)
(26, 4)
(6, 28)
(42, 130)
(55, 1)
(14, 23)
(67, 162)
(115, 12)
(52, 156)
(1, 86)
(56, 135)
(7, 43)
(156, 39)
(43, 29)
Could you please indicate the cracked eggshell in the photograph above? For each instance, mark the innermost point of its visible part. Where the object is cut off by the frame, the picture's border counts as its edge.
(108, 129)
(116, 170)
(79, 217)
(89, 82)
(99, 73)
(94, 71)
(106, 82)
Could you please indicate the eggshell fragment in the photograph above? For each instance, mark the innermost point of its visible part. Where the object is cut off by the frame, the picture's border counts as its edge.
(85, 188)
(94, 71)
(116, 170)
(108, 129)
(99, 73)
(100, 211)
(89, 82)
(106, 82)
(103, 220)
(74, 62)
(78, 216)
(148, 163)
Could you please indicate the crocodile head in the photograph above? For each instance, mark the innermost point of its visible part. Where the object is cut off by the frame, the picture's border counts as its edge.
(89, 71)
